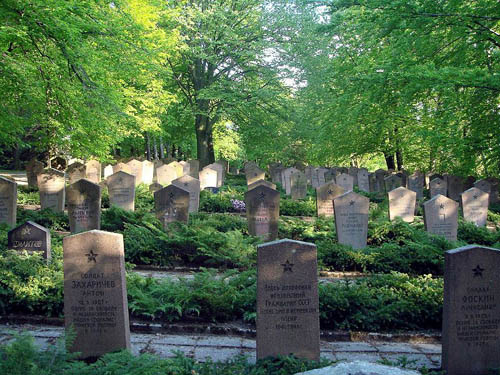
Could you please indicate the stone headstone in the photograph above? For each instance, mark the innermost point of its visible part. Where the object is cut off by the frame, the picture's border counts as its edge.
(298, 185)
(59, 163)
(261, 183)
(275, 173)
(208, 178)
(220, 173)
(186, 168)
(392, 182)
(254, 174)
(484, 185)
(455, 185)
(122, 167)
(433, 175)
(172, 205)
(84, 206)
(441, 217)
(94, 169)
(76, 171)
(95, 293)
(494, 186)
(373, 182)
(155, 186)
(108, 171)
(194, 168)
(416, 183)
(471, 333)
(179, 169)
(475, 206)
(363, 180)
(263, 211)
(351, 219)
(51, 186)
(345, 181)
(469, 182)
(438, 186)
(33, 169)
(31, 237)
(249, 165)
(121, 188)
(136, 170)
(286, 175)
(287, 300)
(8, 201)
(325, 194)
(353, 172)
(166, 174)
(330, 176)
(380, 175)
(192, 185)
(308, 171)
(148, 169)
(402, 203)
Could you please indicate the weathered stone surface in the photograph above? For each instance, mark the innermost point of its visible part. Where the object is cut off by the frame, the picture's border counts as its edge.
(330, 175)
(122, 167)
(166, 174)
(51, 186)
(121, 188)
(471, 333)
(363, 180)
(392, 182)
(59, 163)
(469, 182)
(351, 219)
(359, 368)
(345, 181)
(148, 169)
(33, 169)
(402, 203)
(95, 293)
(220, 173)
(263, 183)
(136, 170)
(298, 185)
(263, 211)
(186, 168)
(441, 217)
(286, 175)
(254, 174)
(380, 175)
(287, 300)
(475, 206)
(416, 183)
(438, 186)
(455, 185)
(275, 170)
(208, 178)
(494, 186)
(30, 237)
(179, 168)
(171, 205)
(353, 172)
(325, 195)
(155, 187)
(108, 171)
(192, 185)
(94, 169)
(8, 201)
(84, 206)
(76, 171)
(194, 168)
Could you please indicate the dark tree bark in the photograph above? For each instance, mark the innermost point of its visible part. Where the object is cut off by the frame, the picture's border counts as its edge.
(389, 160)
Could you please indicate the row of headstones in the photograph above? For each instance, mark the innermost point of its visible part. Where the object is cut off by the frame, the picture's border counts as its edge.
(96, 306)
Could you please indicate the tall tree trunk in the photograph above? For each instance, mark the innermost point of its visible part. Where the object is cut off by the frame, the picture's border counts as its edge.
(204, 140)
(162, 148)
(17, 161)
(148, 146)
(389, 160)
(399, 159)
(155, 148)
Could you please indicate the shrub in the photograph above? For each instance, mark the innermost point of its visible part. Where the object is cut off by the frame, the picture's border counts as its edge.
(46, 218)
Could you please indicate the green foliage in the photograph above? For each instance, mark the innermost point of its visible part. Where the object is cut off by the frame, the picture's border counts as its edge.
(304, 207)
(27, 195)
(46, 217)
(219, 202)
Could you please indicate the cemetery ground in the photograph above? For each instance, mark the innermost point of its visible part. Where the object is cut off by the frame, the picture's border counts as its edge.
(394, 286)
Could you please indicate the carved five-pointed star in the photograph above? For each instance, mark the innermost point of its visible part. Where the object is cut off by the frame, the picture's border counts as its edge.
(351, 203)
(287, 266)
(474, 196)
(171, 195)
(91, 256)
(262, 195)
(441, 206)
(186, 184)
(478, 271)
(330, 192)
(26, 231)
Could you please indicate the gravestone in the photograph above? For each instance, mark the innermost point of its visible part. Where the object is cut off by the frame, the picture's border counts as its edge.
(261, 183)
(94, 169)
(438, 186)
(148, 169)
(455, 185)
(254, 174)
(373, 182)
(108, 171)
(325, 194)
(298, 185)
(484, 185)
(84, 206)
(136, 170)
(363, 180)
(76, 171)
(263, 211)
(194, 168)
(220, 173)
(433, 175)
(475, 206)
(166, 174)
(287, 300)
(185, 167)
(380, 175)
(33, 169)
(416, 183)
(59, 163)
(208, 178)
(345, 181)
(402, 203)
(172, 205)
(95, 293)
(353, 172)
(30, 237)
(122, 167)
(471, 329)
(51, 187)
(330, 175)
(8, 201)
(320, 172)
(392, 182)
(121, 188)
(351, 219)
(286, 175)
(179, 169)
(469, 182)
(494, 185)
(155, 186)
(192, 185)
(440, 217)
(275, 170)
(308, 171)
(249, 165)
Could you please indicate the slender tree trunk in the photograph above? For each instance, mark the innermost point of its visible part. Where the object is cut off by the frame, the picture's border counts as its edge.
(204, 140)
(148, 146)
(155, 148)
(17, 162)
(162, 148)
(389, 160)
(399, 159)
